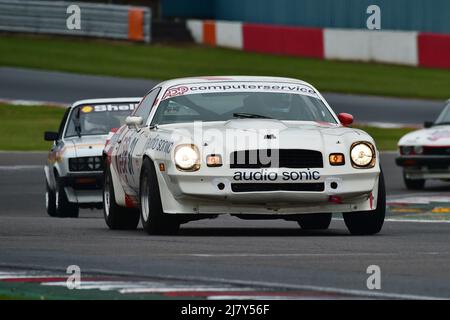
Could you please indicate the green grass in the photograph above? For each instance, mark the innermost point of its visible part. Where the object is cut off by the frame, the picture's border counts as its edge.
(169, 61)
(386, 139)
(23, 128)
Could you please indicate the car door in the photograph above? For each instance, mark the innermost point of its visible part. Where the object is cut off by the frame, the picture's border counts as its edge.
(58, 145)
(131, 144)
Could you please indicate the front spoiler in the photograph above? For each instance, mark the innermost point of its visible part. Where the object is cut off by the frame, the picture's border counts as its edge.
(425, 167)
(83, 181)
(83, 188)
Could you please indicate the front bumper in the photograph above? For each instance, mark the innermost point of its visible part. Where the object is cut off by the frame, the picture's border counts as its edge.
(83, 188)
(425, 167)
(337, 190)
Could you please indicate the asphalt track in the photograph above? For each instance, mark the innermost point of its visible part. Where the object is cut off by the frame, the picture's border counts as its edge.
(59, 87)
(224, 257)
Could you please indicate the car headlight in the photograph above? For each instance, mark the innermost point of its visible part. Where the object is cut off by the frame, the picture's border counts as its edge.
(187, 157)
(362, 155)
(406, 150)
(418, 149)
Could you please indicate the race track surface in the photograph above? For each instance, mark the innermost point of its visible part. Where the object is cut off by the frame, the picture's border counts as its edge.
(213, 258)
(59, 87)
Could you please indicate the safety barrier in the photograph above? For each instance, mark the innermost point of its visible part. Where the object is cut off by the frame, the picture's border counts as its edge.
(395, 47)
(96, 20)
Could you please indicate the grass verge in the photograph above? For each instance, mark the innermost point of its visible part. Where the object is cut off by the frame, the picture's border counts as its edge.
(23, 128)
(169, 61)
(386, 139)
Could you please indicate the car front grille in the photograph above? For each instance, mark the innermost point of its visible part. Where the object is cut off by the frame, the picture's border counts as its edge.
(267, 187)
(85, 164)
(276, 158)
(436, 151)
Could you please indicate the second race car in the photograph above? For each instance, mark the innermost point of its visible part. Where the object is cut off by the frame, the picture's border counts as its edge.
(74, 173)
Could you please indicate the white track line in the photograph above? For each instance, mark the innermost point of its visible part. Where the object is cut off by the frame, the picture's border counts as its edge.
(418, 220)
(359, 293)
(32, 103)
(267, 285)
(20, 167)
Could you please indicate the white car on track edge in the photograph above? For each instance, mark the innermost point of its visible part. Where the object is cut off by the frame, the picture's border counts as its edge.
(74, 173)
(251, 147)
(425, 153)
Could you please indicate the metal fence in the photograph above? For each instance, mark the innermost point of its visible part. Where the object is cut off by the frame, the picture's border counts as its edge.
(97, 20)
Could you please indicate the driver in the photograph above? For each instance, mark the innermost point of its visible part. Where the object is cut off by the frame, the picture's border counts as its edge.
(95, 122)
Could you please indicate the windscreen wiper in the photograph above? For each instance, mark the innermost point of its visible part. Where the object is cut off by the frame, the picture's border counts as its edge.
(250, 115)
(441, 124)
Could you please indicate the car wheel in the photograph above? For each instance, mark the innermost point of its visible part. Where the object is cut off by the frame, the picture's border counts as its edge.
(64, 208)
(413, 184)
(368, 222)
(317, 221)
(153, 218)
(50, 200)
(116, 217)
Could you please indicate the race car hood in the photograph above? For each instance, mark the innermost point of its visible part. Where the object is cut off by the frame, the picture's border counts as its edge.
(267, 133)
(86, 146)
(435, 136)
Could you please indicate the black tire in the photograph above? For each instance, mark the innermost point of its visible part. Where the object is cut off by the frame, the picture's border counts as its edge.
(50, 200)
(316, 221)
(368, 222)
(116, 217)
(64, 208)
(153, 218)
(413, 184)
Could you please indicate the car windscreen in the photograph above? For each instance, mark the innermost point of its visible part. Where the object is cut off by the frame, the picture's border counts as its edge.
(220, 106)
(97, 119)
(444, 117)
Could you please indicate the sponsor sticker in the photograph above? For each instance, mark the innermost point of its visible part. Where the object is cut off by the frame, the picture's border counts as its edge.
(87, 109)
(109, 107)
(218, 87)
(265, 175)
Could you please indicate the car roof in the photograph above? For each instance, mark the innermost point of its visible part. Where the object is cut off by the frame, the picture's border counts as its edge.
(106, 100)
(206, 79)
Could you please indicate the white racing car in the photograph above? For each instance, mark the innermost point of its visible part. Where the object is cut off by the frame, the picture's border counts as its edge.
(74, 173)
(252, 147)
(425, 154)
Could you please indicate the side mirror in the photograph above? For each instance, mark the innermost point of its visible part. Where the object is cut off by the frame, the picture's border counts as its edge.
(134, 121)
(50, 136)
(345, 118)
(428, 124)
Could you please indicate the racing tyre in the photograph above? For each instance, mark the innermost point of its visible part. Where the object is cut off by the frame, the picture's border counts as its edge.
(413, 184)
(368, 222)
(153, 218)
(317, 221)
(117, 217)
(64, 208)
(50, 200)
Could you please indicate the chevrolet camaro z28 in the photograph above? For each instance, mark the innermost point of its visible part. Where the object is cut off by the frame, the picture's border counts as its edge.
(74, 173)
(251, 147)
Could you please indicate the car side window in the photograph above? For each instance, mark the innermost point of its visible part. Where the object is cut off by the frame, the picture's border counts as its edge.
(146, 105)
